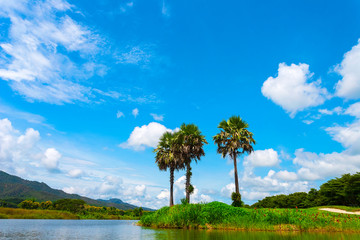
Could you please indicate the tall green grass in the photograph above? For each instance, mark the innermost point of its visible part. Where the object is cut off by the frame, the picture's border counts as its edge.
(17, 213)
(222, 216)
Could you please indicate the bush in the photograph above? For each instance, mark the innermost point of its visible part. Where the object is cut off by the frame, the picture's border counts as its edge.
(29, 204)
(236, 198)
(71, 205)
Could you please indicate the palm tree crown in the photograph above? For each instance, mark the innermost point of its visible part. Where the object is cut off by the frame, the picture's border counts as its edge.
(189, 147)
(165, 158)
(234, 139)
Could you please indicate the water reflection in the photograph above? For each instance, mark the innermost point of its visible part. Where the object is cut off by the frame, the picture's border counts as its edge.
(108, 229)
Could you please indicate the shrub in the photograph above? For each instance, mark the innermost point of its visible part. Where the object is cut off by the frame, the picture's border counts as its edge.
(236, 198)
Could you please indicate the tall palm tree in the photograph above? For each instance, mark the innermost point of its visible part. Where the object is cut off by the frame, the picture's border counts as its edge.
(165, 159)
(189, 147)
(234, 139)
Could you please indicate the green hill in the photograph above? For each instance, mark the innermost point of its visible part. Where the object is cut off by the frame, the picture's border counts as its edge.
(14, 190)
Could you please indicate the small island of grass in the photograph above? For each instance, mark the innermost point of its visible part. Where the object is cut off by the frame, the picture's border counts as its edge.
(217, 215)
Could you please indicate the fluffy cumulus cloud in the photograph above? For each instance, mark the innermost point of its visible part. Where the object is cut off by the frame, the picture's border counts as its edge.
(271, 183)
(145, 136)
(22, 151)
(286, 176)
(263, 158)
(51, 158)
(349, 86)
(315, 166)
(292, 90)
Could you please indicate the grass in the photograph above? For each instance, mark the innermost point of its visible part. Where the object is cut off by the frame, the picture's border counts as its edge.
(218, 215)
(18, 213)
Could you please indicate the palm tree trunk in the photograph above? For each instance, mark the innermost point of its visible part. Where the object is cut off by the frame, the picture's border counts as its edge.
(172, 187)
(187, 184)
(236, 176)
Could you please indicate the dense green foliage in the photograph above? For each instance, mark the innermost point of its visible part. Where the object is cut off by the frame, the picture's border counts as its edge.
(236, 198)
(343, 191)
(222, 216)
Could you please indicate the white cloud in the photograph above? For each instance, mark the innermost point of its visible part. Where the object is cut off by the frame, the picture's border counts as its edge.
(119, 114)
(254, 195)
(15, 148)
(51, 158)
(135, 112)
(353, 110)
(228, 190)
(263, 158)
(34, 64)
(157, 117)
(271, 183)
(291, 89)
(337, 110)
(349, 86)
(348, 136)
(286, 176)
(320, 166)
(308, 122)
(164, 194)
(15, 113)
(75, 173)
(145, 136)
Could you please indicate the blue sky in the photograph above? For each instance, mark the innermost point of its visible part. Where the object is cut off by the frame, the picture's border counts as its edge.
(86, 89)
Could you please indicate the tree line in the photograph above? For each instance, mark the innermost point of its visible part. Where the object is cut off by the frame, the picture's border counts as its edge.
(344, 191)
(78, 206)
(176, 151)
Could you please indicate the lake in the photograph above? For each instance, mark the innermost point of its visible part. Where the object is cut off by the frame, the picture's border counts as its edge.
(117, 229)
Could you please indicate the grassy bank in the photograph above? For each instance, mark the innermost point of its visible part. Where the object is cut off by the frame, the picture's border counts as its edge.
(218, 215)
(18, 213)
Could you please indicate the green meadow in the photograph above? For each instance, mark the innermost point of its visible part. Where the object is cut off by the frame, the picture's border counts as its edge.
(217, 215)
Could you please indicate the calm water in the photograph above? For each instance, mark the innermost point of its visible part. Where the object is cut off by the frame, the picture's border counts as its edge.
(107, 229)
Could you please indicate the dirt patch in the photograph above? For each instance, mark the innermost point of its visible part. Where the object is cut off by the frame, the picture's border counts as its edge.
(335, 210)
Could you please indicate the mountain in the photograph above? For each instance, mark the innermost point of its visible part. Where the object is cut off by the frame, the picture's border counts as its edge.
(14, 189)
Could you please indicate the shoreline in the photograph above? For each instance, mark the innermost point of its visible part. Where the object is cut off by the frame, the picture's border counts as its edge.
(18, 213)
(279, 230)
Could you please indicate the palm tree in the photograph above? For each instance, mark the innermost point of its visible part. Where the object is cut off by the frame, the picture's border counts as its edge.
(165, 159)
(189, 147)
(234, 139)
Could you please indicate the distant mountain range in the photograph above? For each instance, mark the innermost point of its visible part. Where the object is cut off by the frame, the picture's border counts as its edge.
(14, 189)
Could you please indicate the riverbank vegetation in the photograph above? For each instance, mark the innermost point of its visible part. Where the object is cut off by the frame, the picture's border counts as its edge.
(67, 209)
(216, 215)
(343, 191)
